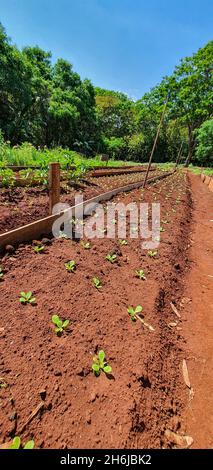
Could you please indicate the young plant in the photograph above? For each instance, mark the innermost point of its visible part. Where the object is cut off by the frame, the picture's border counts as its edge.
(27, 298)
(38, 249)
(96, 282)
(152, 254)
(162, 229)
(133, 312)
(86, 245)
(70, 266)
(140, 273)
(100, 364)
(111, 258)
(17, 444)
(59, 324)
(123, 242)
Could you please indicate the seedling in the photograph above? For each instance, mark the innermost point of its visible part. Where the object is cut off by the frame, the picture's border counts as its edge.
(38, 249)
(17, 444)
(111, 258)
(140, 273)
(59, 324)
(152, 254)
(133, 312)
(123, 242)
(27, 298)
(100, 364)
(165, 221)
(162, 229)
(3, 384)
(86, 245)
(96, 282)
(70, 266)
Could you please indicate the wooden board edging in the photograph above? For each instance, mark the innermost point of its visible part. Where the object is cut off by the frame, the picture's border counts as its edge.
(43, 226)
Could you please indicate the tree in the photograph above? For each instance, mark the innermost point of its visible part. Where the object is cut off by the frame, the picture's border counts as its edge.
(191, 92)
(204, 137)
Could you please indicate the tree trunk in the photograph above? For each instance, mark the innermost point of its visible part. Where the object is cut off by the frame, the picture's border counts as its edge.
(191, 146)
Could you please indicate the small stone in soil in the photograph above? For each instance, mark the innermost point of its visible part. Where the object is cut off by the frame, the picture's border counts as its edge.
(9, 249)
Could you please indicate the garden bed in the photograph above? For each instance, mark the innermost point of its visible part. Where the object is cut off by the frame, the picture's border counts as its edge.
(144, 395)
(20, 206)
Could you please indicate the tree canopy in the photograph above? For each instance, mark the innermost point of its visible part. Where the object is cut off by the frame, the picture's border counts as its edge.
(50, 105)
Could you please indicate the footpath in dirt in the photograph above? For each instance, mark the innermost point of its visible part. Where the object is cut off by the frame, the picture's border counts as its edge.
(197, 311)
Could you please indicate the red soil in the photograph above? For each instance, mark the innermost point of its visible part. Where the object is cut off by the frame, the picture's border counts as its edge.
(20, 206)
(198, 315)
(146, 394)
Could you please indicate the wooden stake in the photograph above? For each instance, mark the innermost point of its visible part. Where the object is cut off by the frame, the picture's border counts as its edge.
(155, 141)
(54, 185)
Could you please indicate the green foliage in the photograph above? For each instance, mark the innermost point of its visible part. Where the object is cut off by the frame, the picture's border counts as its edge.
(63, 116)
(38, 248)
(96, 282)
(133, 312)
(17, 444)
(70, 266)
(114, 146)
(123, 242)
(100, 364)
(85, 245)
(59, 324)
(204, 137)
(7, 177)
(140, 274)
(27, 298)
(111, 258)
(152, 254)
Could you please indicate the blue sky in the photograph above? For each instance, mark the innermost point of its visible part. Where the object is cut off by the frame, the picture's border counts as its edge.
(126, 45)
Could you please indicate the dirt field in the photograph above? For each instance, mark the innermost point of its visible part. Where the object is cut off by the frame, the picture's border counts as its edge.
(23, 205)
(145, 403)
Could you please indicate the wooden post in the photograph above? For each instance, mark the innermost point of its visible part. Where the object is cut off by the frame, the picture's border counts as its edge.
(54, 185)
(155, 141)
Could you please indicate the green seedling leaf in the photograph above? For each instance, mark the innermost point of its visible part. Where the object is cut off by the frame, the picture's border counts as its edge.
(16, 443)
(134, 311)
(38, 249)
(29, 445)
(86, 245)
(60, 325)
(27, 298)
(123, 242)
(152, 254)
(70, 266)
(101, 355)
(140, 273)
(96, 282)
(111, 258)
(107, 369)
(100, 364)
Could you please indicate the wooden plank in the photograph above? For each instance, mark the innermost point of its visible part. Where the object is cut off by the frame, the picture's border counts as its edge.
(43, 226)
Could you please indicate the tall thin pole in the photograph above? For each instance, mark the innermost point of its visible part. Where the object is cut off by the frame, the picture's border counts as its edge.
(54, 185)
(155, 141)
